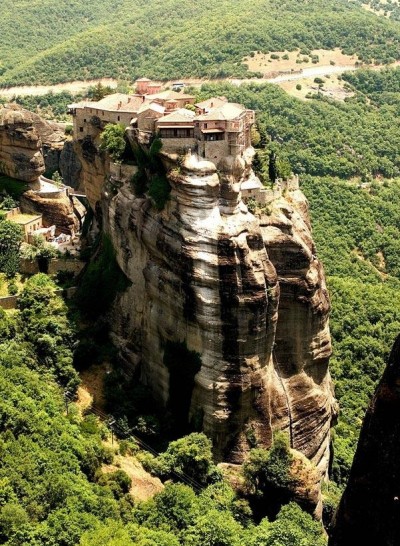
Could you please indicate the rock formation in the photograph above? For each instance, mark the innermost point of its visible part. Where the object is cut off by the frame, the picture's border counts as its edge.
(21, 154)
(369, 512)
(94, 168)
(69, 165)
(247, 295)
(56, 211)
(31, 145)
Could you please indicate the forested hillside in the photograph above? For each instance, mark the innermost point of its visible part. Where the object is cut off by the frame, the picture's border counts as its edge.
(48, 41)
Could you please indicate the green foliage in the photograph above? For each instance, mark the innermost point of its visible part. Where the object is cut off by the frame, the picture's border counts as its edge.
(102, 281)
(139, 182)
(7, 202)
(11, 237)
(190, 455)
(357, 236)
(45, 496)
(113, 140)
(268, 472)
(44, 330)
(87, 40)
(215, 529)
(119, 482)
(293, 527)
(50, 105)
(159, 190)
(12, 187)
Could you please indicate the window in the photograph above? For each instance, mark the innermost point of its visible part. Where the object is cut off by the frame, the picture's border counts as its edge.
(81, 129)
(211, 137)
(84, 120)
(176, 133)
(119, 118)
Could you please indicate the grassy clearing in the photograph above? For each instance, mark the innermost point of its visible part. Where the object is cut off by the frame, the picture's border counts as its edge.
(268, 64)
(334, 87)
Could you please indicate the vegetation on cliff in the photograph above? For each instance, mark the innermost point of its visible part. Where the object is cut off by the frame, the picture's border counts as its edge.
(129, 39)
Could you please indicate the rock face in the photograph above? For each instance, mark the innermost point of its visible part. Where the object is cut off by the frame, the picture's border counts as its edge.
(20, 145)
(69, 165)
(369, 512)
(59, 212)
(247, 295)
(31, 145)
(302, 400)
(94, 168)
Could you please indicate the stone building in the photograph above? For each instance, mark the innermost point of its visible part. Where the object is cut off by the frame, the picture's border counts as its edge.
(30, 223)
(91, 116)
(216, 130)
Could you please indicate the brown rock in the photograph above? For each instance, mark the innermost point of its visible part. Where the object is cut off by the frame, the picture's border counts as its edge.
(249, 296)
(59, 212)
(20, 145)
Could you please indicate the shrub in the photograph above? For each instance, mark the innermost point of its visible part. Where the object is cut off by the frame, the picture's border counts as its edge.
(113, 140)
(159, 190)
(268, 470)
(12, 288)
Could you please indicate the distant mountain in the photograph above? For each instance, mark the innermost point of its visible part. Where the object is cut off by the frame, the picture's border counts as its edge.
(48, 41)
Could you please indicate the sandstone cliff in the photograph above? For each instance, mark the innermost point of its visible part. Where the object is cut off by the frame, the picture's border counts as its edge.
(59, 211)
(31, 145)
(369, 512)
(247, 294)
(21, 154)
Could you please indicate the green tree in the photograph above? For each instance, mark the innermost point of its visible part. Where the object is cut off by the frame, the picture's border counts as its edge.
(113, 140)
(191, 455)
(214, 529)
(268, 471)
(293, 527)
(11, 237)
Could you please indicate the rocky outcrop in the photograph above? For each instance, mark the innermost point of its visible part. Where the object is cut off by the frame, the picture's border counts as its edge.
(20, 145)
(302, 397)
(246, 294)
(95, 169)
(31, 145)
(369, 512)
(59, 212)
(69, 165)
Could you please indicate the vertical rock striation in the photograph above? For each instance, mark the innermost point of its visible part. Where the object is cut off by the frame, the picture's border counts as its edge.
(303, 400)
(248, 295)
